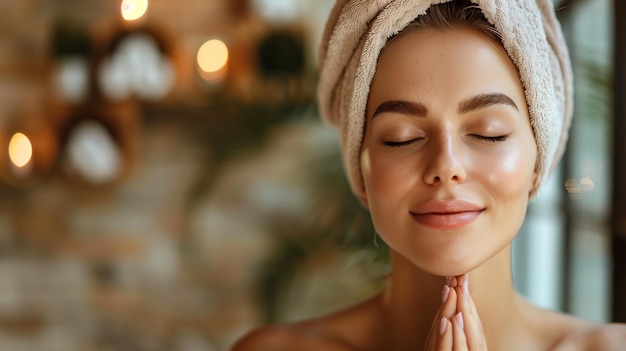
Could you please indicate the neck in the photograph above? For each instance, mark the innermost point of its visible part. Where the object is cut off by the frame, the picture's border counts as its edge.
(413, 296)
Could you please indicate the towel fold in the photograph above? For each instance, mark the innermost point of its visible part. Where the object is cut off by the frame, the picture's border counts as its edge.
(357, 31)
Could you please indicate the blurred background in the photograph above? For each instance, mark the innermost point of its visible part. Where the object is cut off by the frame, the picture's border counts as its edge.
(166, 183)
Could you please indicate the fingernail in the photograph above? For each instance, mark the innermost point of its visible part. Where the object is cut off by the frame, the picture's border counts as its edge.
(465, 288)
(445, 294)
(448, 280)
(459, 320)
(442, 325)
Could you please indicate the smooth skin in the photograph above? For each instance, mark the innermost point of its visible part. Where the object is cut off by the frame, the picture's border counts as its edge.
(447, 162)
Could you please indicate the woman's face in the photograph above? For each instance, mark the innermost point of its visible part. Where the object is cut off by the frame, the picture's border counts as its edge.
(448, 155)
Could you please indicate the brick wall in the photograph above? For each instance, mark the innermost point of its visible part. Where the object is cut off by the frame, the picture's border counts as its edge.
(132, 265)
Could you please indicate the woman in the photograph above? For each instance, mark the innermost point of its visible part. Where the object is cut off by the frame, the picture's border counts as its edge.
(451, 117)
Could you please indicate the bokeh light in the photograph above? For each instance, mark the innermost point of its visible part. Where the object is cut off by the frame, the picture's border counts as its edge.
(577, 187)
(137, 67)
(72, 79)
(133, 10)
(213, 56)
(279, 11)
(20, 150)
(93, 154)
(587, 184)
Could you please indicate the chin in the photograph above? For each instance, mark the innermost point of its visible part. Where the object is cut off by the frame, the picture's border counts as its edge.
(448, 271)
(448, 266)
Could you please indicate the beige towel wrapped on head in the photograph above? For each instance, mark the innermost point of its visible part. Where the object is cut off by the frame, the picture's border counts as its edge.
(357, 30)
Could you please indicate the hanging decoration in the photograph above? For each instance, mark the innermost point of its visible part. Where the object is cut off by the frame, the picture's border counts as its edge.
(98, 145)
(70, 49)
(136, 65)
(281, 54)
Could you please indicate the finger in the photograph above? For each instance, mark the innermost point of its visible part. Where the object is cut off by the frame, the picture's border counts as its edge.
(464, 290)
(463, 301)
(473, 306)
(460, 279)
(458, 337)
(472, 325)
(453, 282)
(450, 304)
(447, 310)
(474, 331)
(445, 341)
(474, 310)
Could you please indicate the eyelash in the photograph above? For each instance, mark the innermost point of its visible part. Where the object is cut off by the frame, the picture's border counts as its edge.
(401, 143)
(490, 139)
(494, 139)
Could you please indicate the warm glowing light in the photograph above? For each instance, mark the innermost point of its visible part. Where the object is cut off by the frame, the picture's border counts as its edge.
(134, 9)
(213, 56)
(587, 184)
(577, 187)
(20, 150)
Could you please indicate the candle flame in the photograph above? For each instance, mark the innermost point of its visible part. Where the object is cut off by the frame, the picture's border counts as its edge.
(20, 150)
(213, 56)
(134, 9)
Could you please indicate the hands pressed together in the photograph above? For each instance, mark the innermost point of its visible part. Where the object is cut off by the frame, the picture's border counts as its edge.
(457, 325)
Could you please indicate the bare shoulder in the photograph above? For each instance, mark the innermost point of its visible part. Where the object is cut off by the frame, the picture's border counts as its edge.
(604, 337)
(347, 330)
(287, 337)
(564, 332)
(264, 338)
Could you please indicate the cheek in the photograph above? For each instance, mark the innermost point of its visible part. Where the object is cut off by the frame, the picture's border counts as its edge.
(382, 188)
(374, 180)
(510, 174)
(385, 179)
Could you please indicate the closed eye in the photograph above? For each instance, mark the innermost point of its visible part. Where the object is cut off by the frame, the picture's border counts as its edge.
(401, 143)
(491, 139)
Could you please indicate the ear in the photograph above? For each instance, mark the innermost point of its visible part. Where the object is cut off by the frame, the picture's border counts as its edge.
(534, 184)
(363, 199)
(362, 196)
(359, 188)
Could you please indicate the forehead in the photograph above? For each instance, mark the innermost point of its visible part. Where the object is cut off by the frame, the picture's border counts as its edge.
(452, 63)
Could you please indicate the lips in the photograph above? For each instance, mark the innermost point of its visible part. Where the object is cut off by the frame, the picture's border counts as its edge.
(446, 214)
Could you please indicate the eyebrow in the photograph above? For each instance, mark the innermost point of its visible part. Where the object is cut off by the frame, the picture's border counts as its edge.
(485, 100)
(471, 104)
(402, 107)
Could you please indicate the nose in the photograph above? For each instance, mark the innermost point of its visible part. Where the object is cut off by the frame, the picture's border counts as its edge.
(445, 164)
